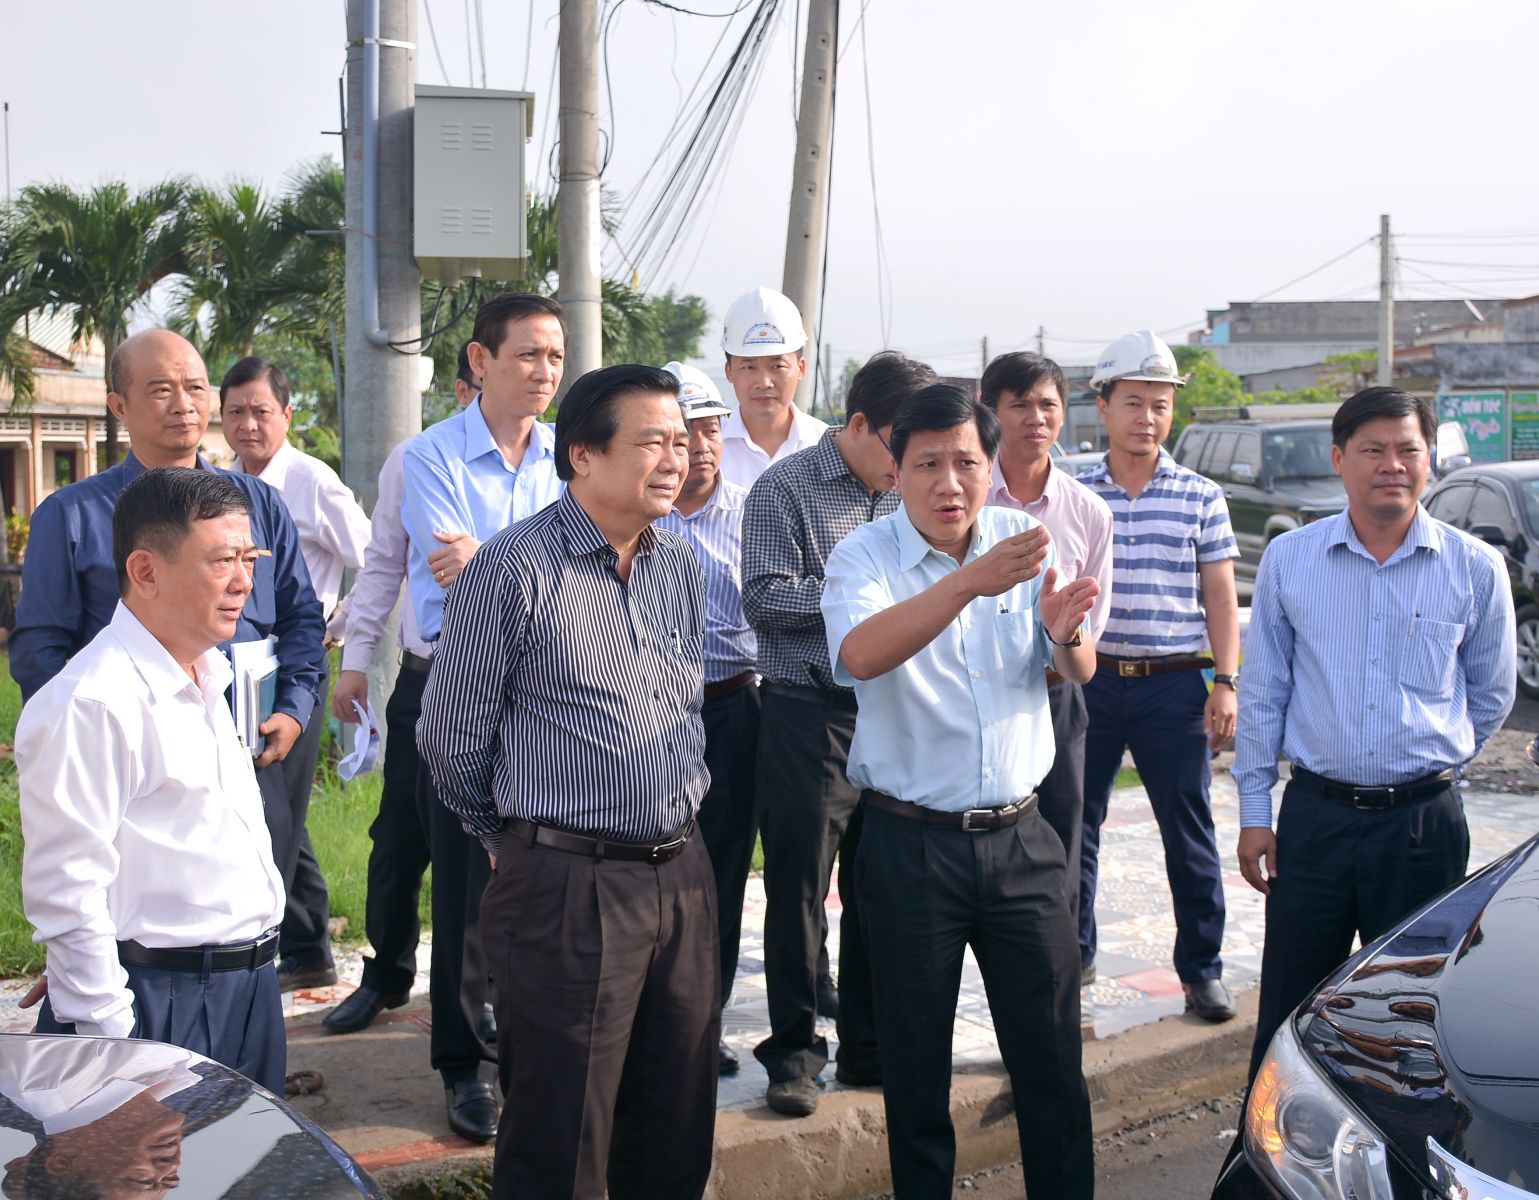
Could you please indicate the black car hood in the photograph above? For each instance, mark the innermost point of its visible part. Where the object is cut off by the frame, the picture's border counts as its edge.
(1324, 495)
(1435, 1031)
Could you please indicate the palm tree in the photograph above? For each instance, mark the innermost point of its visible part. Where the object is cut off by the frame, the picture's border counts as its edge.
(234, 274)
(95, 254)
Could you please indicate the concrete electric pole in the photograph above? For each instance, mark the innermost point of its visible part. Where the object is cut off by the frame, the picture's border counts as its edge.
(802, 280)
(381, 404)
(1386, 304)
(579, 233)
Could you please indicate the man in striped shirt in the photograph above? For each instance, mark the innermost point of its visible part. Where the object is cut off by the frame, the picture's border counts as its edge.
(1173, 597)
(709, 516)
(561, 722)
(1381, 658)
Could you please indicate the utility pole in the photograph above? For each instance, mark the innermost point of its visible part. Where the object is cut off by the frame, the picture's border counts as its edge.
(579, 235)
(1041, 340)
(802, 280)
(1386, 304)
(382, 403)
(7, 151)
(826, 353)
(983, 365)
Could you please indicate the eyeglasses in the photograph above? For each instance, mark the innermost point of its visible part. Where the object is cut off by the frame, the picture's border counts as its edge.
(883, 440)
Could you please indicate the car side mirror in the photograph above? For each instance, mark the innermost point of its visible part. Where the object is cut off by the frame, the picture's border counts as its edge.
(1243, 472)
(1490, 534)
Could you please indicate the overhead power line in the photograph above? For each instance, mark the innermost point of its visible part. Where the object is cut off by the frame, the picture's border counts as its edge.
(1347, 253)
(427, 11)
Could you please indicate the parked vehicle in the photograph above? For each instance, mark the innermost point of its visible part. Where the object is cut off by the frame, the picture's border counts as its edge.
(1413, 1073)
(1499, 503)
(1274, 464)
(86, 1116)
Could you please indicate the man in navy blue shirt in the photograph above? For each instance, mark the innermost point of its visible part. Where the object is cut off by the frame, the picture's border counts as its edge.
(160, 392)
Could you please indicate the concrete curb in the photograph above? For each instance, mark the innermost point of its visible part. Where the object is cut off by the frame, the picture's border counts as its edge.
(841, 1150)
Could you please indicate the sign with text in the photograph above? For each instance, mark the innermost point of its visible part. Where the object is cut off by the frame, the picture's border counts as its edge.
(1484, 417)
(1524, 417)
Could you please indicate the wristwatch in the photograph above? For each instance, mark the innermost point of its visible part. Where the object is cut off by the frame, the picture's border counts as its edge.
(1232, 680)
(1079, 636)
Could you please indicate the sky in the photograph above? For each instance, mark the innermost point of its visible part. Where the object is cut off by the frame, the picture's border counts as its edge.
(1086, 168)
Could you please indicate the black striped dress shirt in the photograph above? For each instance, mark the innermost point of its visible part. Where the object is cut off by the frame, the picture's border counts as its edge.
(560, 694)
(797, 512)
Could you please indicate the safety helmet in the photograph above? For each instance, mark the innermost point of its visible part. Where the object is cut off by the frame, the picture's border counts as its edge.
(698, 396)
(1140, 355)
(760, 323)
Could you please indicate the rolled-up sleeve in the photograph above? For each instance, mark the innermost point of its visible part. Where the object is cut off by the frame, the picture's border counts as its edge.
(74, 767)
(854, 589)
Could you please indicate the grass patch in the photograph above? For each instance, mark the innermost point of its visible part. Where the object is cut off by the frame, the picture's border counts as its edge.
(340, 815)
(1127, 777)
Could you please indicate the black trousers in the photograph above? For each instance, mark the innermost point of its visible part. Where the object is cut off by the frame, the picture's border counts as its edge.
(1342, 872)
(285, 787)
(808, 811)
(458, 988)
(926, 894)
(399, 854)
(606, 981)
(727, 818)
(1061, 794)
(232, 1017)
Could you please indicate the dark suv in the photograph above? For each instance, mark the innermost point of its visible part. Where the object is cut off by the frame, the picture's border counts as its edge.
(1274, 464)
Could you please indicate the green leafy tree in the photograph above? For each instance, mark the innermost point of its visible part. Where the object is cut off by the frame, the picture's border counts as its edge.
(1208, 385)
(94, 254)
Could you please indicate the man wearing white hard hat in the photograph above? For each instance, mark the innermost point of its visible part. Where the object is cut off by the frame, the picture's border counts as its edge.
(709, 516)
(763, 338)
(1174, 613)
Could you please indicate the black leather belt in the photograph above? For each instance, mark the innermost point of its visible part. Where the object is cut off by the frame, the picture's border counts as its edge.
(415, 663)
(1374, 798)
(841, 698)
(1142, 668)
(725, 687)
(242, 956)
(599, 848)
(974, 820)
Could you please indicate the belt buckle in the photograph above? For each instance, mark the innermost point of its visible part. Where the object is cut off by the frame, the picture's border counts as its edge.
(655, 858)
(1128, 668)
(967, 819)
(1357, 801)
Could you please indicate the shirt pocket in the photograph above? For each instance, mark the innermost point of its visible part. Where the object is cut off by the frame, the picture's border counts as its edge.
(1431, 655)
(1015, 641)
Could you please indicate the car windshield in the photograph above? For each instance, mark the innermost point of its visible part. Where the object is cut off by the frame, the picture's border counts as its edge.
(1299, 453)
(1529, 490)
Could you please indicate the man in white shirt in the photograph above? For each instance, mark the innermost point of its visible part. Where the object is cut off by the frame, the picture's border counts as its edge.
(147, 867)
(399, 852)
(762, 337)
(333, 530)
(1027, 393)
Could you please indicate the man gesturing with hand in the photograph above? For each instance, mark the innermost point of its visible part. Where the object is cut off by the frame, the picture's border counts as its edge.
(945, 617)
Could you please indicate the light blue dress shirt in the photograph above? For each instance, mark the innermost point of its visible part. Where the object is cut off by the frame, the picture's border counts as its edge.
(458, 482)
(715, 534)
(964, 723)
(1370, 673)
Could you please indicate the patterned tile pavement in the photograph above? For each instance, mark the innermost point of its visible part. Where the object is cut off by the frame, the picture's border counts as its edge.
(1135, 983)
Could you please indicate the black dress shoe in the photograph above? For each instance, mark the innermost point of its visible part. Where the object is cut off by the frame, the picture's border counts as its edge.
(472, 1110)
(726, 1060)
(487, 1027)
(1210, 1000)
(292, 976)
(828, 998)
(359, 1010)
(793, 1097)
(1087, 975)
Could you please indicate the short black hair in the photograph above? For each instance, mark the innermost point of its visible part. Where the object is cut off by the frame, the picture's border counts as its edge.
(462, 369)
(494, 317)
(883, 386)
(1018, 372)
(944, 406)
(156, 511)
(1374, 402)
(252, 369)
(589, 413)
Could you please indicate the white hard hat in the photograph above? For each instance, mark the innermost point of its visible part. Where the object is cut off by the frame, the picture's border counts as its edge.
(760, 323)
(698, 396)
(1139, 355)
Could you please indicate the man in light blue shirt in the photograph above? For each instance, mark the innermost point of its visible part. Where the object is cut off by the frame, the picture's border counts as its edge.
(467, 479)
(1381, 657)
(938, 616)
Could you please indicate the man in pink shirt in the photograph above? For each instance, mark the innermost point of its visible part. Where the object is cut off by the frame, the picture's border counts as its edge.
(1028, 392)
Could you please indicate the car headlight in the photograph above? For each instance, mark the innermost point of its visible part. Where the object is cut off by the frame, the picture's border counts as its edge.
(1305, 1137)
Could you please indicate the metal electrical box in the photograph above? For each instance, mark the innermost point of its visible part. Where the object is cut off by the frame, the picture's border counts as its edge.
(468, 182)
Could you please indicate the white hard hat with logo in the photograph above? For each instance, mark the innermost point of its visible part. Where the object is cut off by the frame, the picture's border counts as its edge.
(698, 396)
(1140, 355)
(760, 323)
